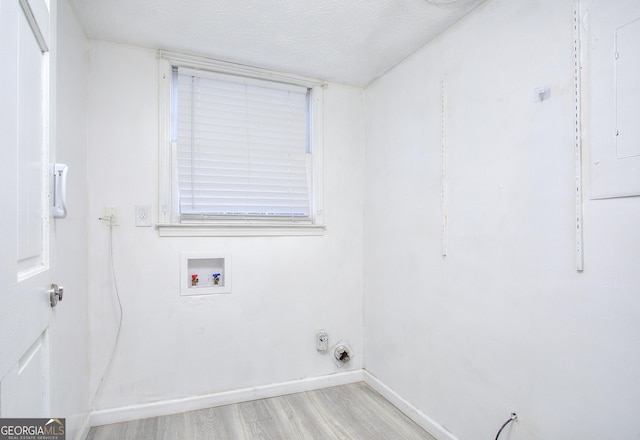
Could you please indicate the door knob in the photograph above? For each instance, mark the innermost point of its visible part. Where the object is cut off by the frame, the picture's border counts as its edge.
(55, 294)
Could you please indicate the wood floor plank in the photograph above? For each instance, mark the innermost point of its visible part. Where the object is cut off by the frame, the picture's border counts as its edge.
(172, 427)
(390, 422)
(306, 418)
(332, 412)
(346, 412)
(231, 418)
(290, 422)
(258, 421)
(348, 409)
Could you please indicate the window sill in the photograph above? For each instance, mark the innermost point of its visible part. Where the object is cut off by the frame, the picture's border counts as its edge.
(237, 230)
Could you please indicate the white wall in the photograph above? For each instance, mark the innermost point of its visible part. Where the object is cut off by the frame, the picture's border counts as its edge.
(284, 288)
(69, 330)
(504, 322)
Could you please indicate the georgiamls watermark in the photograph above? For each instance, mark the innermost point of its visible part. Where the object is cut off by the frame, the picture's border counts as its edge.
(32, 429)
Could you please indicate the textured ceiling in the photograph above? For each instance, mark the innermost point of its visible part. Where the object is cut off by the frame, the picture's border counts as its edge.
(348, 41)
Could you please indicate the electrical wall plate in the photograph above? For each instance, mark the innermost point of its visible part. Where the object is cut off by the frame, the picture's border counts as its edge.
(143, 215)
(322, 340)
(112, 213)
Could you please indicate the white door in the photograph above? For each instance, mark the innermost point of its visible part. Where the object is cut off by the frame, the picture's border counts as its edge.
(25, 258)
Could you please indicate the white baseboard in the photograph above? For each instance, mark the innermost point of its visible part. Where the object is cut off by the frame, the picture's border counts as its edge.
(83, 430)
(425, 422)
(174, 406)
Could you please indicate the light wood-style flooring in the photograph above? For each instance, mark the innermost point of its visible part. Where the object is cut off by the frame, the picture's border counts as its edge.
(345, 412)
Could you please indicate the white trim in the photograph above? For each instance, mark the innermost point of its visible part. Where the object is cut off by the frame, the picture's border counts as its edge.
(174, 406)
(225, 77)
(165, 180)
(317, 145)
(83, 429)
(192, 61)
(237, 230)
(425, 422)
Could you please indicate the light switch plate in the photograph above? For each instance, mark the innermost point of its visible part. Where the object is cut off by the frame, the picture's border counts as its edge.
(143, 215)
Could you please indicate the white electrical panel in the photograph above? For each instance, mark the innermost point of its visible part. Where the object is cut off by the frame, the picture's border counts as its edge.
(610, 34)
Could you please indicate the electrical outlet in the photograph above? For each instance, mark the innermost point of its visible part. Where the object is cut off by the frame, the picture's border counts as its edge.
(143, 215)
(112, 212)
(322, 341)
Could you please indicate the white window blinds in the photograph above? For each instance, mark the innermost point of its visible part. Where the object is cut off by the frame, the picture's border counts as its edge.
(242, 146)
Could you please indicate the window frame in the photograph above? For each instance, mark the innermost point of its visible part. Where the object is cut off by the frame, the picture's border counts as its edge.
(169, 219)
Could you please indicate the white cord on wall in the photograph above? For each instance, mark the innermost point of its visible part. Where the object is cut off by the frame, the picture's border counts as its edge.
(115, 342)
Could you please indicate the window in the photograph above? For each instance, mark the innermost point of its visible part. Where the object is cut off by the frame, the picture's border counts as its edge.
(240, 154)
